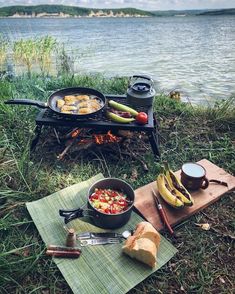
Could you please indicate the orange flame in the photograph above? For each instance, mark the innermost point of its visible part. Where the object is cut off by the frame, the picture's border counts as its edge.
(105, 138)
(76, 133)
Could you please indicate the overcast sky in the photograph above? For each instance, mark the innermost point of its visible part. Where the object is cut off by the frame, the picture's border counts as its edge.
(141, 4)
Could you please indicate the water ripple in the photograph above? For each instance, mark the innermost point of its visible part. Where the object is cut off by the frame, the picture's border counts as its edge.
(193, 54)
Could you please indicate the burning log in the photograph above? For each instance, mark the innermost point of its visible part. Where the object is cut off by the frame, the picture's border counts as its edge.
(106, 138)
(76, 133)
(73, 135)
(83, 139)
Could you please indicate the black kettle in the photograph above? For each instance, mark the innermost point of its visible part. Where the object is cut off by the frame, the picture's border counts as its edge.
(140, 91)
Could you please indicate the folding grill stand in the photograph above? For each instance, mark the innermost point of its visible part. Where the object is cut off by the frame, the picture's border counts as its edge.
(48, 118)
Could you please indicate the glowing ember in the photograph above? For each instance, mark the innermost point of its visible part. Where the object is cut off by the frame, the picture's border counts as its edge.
(84, 138)
(106, 138)
(76, 133)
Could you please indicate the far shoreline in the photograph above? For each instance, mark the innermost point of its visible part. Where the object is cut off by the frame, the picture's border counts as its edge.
(69, 17)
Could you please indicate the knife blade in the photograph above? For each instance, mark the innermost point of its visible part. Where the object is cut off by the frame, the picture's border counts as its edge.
(99, 241)
(90, 235)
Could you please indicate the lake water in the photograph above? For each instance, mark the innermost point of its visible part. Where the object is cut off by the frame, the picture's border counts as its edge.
(195, 55)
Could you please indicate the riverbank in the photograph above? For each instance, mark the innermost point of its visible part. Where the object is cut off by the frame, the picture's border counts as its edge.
(187, 133)
(63, 11)
(63, 15)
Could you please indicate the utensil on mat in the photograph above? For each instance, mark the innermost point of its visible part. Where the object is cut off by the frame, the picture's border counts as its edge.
(99, 241)
(92, 235)
(162, 213)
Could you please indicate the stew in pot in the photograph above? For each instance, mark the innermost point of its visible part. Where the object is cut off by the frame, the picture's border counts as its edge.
(109, 201)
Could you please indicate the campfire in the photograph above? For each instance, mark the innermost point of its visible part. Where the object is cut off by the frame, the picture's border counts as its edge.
(99, 135)
(122, 144)
(106, 138)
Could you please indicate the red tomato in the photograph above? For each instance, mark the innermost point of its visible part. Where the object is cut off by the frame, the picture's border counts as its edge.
(142, 118)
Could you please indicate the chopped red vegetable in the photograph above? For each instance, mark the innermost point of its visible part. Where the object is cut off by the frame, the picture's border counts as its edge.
(109, 201)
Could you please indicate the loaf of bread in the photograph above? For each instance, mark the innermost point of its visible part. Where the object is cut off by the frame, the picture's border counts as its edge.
(143, 244)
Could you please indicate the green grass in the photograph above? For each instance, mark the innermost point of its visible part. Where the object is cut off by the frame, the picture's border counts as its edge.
(205, 262)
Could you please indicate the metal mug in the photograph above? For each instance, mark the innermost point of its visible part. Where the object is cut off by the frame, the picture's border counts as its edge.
(193, 176)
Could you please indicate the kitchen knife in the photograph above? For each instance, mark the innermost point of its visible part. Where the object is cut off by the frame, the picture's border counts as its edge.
(162, 213)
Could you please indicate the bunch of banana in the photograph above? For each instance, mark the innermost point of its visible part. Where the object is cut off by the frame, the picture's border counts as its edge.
(172, 190)
(175, 183)
(168, 194)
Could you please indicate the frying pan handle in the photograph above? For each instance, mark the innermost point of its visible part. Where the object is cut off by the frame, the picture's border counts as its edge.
(27, 102)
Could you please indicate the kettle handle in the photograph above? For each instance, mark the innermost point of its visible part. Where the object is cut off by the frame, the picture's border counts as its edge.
(143, 77)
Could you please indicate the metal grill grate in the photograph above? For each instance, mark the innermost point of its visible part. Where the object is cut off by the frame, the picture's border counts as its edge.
(100, 123)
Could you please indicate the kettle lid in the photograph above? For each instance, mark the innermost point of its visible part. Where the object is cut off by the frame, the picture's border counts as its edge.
(141, 87)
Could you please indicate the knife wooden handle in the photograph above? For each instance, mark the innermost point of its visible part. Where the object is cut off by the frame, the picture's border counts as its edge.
(165, 219)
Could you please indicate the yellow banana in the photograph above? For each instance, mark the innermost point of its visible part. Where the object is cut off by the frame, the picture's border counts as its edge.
(176, 184)
(168, 194)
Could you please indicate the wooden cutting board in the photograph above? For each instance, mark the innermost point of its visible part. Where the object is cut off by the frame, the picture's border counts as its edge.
(145, 204)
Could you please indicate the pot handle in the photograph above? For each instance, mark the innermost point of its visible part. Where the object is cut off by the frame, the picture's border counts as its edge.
(27, 102)
(71, 214)
(75, 213)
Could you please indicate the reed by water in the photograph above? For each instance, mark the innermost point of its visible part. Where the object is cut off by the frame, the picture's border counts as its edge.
(34, 55)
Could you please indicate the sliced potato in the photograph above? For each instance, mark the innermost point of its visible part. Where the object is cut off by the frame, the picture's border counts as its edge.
(60, 103)
(82, 97)
(69, 108)
(84, 110)
(69, 99)
(83, 104)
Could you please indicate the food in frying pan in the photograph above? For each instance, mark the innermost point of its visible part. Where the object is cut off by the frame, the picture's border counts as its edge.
(82, 97)
(79, 104)
(94, 104)
(109, 201)
(60, 103)
(84, 110)
(83, 104)
(67, 108)
(69, 99)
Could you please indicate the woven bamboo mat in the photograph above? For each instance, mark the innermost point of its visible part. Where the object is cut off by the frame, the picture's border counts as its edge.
(99, 269)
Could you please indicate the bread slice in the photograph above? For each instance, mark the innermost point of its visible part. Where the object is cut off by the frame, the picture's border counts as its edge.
(144, 244)
(143, 250)
(146, 230)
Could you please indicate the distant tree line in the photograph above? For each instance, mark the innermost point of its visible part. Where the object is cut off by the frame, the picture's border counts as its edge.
(71, 10)
(80, 11)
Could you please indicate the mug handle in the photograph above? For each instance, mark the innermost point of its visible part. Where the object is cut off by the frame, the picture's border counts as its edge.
(205, 183)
